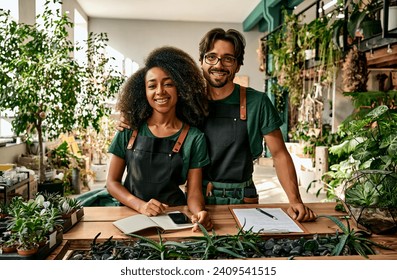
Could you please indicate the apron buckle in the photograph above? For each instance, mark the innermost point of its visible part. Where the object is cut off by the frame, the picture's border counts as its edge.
(210, 188)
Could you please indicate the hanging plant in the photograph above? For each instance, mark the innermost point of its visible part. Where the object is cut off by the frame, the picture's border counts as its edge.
(355, 71)
(287, 58)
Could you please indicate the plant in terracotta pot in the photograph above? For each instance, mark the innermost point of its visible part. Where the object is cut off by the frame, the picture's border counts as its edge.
(32, 221)
(10, 243)
(68, 205)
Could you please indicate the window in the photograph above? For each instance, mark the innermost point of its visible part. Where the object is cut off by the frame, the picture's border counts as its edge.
(40, 9)
(12, 6)
(80, 37)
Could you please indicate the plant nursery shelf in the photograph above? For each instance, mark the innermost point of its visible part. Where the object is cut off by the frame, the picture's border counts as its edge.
(99, 220)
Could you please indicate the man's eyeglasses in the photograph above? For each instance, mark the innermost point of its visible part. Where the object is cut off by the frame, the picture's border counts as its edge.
(212, 59)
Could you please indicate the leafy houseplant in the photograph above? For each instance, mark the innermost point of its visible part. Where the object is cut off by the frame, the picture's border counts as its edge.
(39, 78)
(371, 198)
(100, 85)
(66, 163)
(370, 146)
(362, 16)
(32, 221)
(49, 92)
(287, 47)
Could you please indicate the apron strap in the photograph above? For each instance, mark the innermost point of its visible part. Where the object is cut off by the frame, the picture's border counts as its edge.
(132, 139)
(181, 138)
(243, 103)
(177, 145)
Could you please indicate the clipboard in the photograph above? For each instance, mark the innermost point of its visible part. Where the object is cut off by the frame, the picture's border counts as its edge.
(249, 218)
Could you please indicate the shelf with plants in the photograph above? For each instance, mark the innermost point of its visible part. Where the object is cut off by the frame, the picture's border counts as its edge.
(37, 224)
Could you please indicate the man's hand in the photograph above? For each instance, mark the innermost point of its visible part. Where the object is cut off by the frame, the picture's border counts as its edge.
(301, 213)
(202, 217)
(122, 124)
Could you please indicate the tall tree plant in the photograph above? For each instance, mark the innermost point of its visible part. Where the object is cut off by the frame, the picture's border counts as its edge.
(38, 77)
(100, 84)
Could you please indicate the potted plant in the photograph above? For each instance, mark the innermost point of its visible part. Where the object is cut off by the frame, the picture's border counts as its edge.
(39, 78)
(10, 243)
(69, 210)
(100, 84)
(363, 20)
(371, 198)
(49, 92)
(31, 223)
(99, 141)
(68, 167)
(369, 147)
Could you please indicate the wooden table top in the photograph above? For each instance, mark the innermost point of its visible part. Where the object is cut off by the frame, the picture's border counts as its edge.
(100, 220)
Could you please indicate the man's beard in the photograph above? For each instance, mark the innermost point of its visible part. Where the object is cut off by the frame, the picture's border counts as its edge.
(216, 83)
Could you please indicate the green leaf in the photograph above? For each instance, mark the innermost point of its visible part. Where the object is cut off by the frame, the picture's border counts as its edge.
(340, 246)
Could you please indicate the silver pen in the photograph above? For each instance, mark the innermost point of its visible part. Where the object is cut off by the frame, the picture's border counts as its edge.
(267, 214)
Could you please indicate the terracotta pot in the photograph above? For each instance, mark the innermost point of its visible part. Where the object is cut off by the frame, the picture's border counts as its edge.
(9, 249)
(28, 252)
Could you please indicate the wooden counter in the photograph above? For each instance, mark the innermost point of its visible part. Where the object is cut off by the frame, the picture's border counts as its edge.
(99, 220)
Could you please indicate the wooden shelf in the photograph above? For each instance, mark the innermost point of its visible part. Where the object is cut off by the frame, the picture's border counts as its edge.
(385, 57)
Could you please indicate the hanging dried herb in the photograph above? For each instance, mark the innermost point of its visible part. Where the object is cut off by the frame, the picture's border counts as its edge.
(355, 71)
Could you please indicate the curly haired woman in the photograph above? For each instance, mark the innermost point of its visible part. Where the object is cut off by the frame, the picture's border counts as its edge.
(163, 102)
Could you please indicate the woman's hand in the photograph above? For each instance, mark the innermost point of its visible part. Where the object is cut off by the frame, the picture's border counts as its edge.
(202, 217)
(152, 208)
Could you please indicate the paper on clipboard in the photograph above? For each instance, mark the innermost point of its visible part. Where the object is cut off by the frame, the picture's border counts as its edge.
(251, 219)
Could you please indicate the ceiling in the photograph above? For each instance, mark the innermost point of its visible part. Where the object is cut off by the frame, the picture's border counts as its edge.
(234, 11)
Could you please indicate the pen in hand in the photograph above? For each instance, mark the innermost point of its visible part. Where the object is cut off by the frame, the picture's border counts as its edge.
(267, 214)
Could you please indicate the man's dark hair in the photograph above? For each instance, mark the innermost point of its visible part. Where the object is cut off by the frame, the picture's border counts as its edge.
(233, 36)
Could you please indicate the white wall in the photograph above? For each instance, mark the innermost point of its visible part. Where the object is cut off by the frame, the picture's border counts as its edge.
(136, 38)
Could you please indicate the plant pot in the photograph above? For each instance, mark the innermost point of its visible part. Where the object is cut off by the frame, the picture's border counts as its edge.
(43, 242)
(100, 171)
(76, 181)
(26, 252)
(6, 249)
(377, 220)
(368, 197)
(51, 188)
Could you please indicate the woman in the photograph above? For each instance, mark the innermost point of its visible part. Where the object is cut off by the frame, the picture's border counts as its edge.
(163, 102)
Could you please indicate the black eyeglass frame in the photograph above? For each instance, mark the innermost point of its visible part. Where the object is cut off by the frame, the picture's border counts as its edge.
(221, 59)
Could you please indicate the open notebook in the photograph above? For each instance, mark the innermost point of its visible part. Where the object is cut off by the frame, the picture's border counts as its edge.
(140, 222)
(265, 220)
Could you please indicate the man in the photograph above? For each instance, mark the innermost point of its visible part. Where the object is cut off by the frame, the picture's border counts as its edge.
(238, 120)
